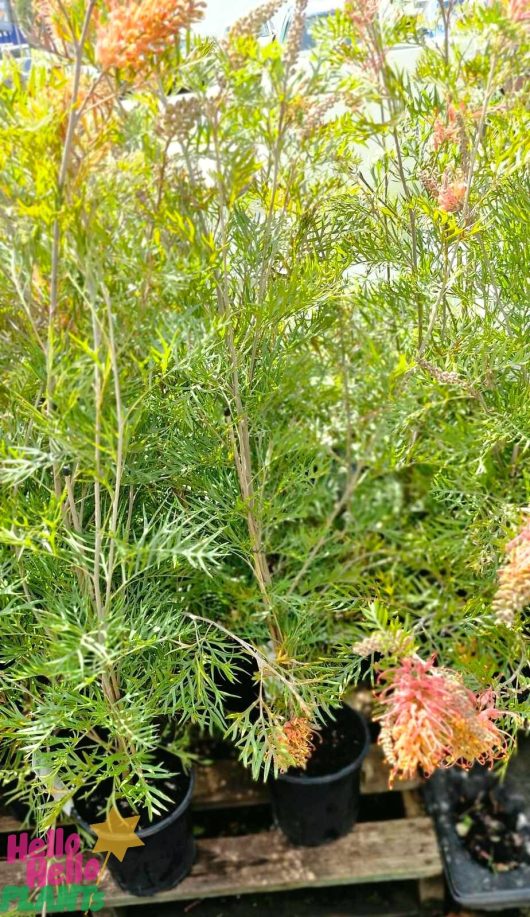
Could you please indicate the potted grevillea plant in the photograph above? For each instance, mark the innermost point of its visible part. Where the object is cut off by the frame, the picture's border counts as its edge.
(95, 701)
(263, 406)
(441, 308)
(168, 481)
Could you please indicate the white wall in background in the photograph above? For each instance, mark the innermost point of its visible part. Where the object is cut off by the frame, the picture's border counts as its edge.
(220, 14)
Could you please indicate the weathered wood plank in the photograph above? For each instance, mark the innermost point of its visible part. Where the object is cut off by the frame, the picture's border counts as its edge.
(372, 852)
(432, 890)
(376, 773)
(413, 803)
(8, 823)
(401, 849)
(228, 784)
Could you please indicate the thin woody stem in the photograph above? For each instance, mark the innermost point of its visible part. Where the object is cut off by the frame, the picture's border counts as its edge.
(262, 661)
(375, 37)
(109, 681)
(339, 506)
(242, 450)
(101, 872)
(465, 208)
(73, 117)
(119, 447)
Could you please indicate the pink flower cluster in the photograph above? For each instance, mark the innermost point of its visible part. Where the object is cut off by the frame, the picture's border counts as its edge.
(432, 720)
(519, 10)
(362, 13)
(446, 132)
(137, 31)
(452, 196)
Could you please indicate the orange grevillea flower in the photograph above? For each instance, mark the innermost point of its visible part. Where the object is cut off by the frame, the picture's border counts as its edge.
(135, 32)
(513, 592)
(292, 743)
(452, 195)
(432, 720)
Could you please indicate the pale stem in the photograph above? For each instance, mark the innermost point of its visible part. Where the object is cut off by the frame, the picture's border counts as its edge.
(119, 447)
(262, 661)
(465, 208)
(56, 231)
(242, 451)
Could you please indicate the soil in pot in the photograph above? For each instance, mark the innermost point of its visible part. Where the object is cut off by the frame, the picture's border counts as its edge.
(495, 834)
(321, 803)
(481, 819)
(168, 850)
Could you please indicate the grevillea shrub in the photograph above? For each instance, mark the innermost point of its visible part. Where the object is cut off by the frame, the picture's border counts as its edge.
(264, 386)
(174, 456)
(439, 304)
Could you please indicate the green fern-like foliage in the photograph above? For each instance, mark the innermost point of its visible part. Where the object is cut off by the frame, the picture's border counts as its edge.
(264, 319)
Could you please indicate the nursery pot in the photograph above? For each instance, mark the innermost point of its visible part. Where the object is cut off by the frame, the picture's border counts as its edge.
(18, 808)
(472, 882)
(243, 691)
(321, 803)
(168, 850)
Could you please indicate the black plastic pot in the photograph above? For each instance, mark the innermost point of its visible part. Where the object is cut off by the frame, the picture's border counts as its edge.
(17, 807)
(321, 804)
(243, 691)
(168, 852)
(473, 885)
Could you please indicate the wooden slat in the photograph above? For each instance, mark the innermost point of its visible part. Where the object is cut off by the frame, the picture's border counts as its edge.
(372, 852)
(228, 784)
(413, 803)
(8, 823)
(376, 773)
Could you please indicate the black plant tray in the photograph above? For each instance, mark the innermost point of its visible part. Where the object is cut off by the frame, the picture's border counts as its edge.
(471, 884)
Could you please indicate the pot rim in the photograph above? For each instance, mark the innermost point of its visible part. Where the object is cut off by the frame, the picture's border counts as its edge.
(158, 826)
(308, 780)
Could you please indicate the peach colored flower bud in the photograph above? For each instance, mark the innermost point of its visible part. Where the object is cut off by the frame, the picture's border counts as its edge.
(430, 183)
(362, 13)
(513, 592)
(452, 196)
(387, 643)
(292, 743)
(519, 10)
(444, 133)
(294, 36)
(251, 23)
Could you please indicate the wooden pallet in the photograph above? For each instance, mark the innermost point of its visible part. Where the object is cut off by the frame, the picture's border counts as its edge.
(374, 851)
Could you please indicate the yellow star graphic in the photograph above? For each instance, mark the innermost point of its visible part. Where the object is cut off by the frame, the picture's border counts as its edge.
(116, 834)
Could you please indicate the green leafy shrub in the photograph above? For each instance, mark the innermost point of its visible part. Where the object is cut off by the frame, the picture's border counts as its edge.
(264, 380)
